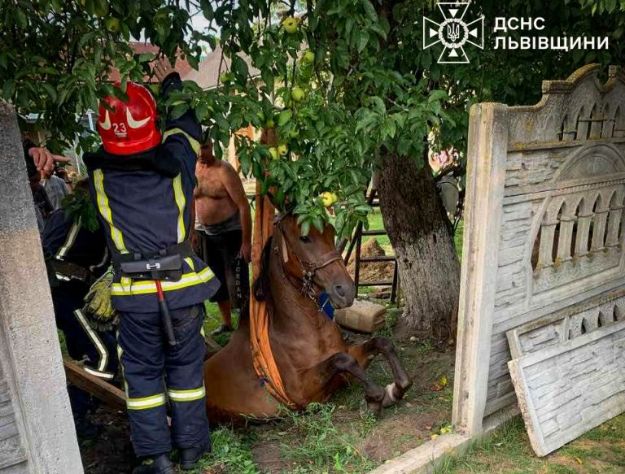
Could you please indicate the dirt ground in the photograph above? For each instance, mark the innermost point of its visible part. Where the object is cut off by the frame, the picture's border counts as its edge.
(337, 437)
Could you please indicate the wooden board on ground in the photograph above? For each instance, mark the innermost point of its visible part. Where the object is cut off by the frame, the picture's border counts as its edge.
(100, 389)
(363, 316)
(567, 388)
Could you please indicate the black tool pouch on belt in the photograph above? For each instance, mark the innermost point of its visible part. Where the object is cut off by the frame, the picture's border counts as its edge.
(165, 265)
(167, 268)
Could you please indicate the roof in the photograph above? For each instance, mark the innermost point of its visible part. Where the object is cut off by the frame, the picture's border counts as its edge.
(207, 76)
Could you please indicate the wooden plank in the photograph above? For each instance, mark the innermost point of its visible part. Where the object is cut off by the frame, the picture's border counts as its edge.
(97, 387)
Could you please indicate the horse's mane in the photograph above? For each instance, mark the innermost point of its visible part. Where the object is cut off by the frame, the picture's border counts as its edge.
(262, 286)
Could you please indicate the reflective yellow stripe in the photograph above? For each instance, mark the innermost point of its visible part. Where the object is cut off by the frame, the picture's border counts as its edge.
(69, 242)
(144, 287)
(97, 373)
(180, 202)
(120, 352)
(189, 261)
(186, 395)
(105, 211)
(97, 342)
(145, 403)
(192, 141)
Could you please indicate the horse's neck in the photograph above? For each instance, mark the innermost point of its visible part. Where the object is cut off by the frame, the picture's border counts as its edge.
(289, 306)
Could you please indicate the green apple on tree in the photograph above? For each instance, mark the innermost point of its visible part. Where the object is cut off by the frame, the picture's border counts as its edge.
(297, 94)
(308, 57)
(290, 24)
(112, 24)
(283, 149)
(328, 198)
(273, 151)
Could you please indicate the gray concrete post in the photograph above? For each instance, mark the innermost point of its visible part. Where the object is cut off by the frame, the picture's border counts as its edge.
(44, 438)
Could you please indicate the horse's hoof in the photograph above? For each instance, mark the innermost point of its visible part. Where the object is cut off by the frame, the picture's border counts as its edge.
(390, 395)
(394, 392)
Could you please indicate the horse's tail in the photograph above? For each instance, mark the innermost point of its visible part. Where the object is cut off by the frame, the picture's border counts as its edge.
(261, 287)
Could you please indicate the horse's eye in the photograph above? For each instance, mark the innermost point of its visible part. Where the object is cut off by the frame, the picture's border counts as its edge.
(305, 239)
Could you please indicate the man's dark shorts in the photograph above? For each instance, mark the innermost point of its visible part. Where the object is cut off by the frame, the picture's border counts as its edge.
(221, 254)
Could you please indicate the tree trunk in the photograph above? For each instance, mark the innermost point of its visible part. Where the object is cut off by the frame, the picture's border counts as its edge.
(421, 237)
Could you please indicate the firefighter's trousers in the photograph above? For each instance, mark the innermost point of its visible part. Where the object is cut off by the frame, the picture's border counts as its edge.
(95, 348)
(156, 374)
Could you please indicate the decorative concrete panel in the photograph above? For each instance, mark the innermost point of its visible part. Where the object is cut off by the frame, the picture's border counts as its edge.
(544, 225)
(570, 379)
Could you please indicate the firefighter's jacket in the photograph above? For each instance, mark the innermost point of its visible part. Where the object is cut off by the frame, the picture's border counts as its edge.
(144, 204)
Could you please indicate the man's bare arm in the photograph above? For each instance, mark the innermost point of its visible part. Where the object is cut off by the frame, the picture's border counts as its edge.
(234, 187)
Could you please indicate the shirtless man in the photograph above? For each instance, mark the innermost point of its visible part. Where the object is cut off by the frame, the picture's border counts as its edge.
(224, 228)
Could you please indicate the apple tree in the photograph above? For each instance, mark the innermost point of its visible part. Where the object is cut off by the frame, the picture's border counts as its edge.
(343, 86)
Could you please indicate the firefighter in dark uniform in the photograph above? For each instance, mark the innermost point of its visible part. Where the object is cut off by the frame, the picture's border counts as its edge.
(76, 255)
(142, 182)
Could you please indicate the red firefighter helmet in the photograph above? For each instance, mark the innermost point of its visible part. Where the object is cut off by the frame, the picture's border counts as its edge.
(129, 127)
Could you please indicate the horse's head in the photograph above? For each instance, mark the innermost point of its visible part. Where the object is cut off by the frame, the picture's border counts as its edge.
(314, 260)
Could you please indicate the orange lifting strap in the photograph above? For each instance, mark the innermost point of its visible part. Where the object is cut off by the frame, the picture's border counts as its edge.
(262, 355)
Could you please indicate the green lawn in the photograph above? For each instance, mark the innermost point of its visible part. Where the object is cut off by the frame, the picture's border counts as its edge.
(376, 223)
(507, 450)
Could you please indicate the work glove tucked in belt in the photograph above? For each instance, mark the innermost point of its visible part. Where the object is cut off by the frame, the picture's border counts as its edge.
(98, 306)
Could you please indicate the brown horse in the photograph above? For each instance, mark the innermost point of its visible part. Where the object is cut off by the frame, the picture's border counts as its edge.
(308, 347)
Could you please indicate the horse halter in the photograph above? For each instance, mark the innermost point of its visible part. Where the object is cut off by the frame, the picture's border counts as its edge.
(309, 269)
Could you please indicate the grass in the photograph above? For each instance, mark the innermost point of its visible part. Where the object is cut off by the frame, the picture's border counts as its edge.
(458, 235)
(213, 321)
(231, 452)
(341, 436)
(507, 450)
(312, 441)
(376, 223)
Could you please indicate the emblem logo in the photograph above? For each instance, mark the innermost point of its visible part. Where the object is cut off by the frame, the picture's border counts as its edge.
(453, 32)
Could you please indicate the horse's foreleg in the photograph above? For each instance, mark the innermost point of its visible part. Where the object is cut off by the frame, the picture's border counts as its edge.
(363, 353)
(343, 363)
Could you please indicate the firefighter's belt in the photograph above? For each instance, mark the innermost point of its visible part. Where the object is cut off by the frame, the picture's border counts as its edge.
(164, 265)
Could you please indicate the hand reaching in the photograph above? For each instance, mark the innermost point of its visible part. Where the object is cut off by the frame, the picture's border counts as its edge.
(162, 68)
(44, 160)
